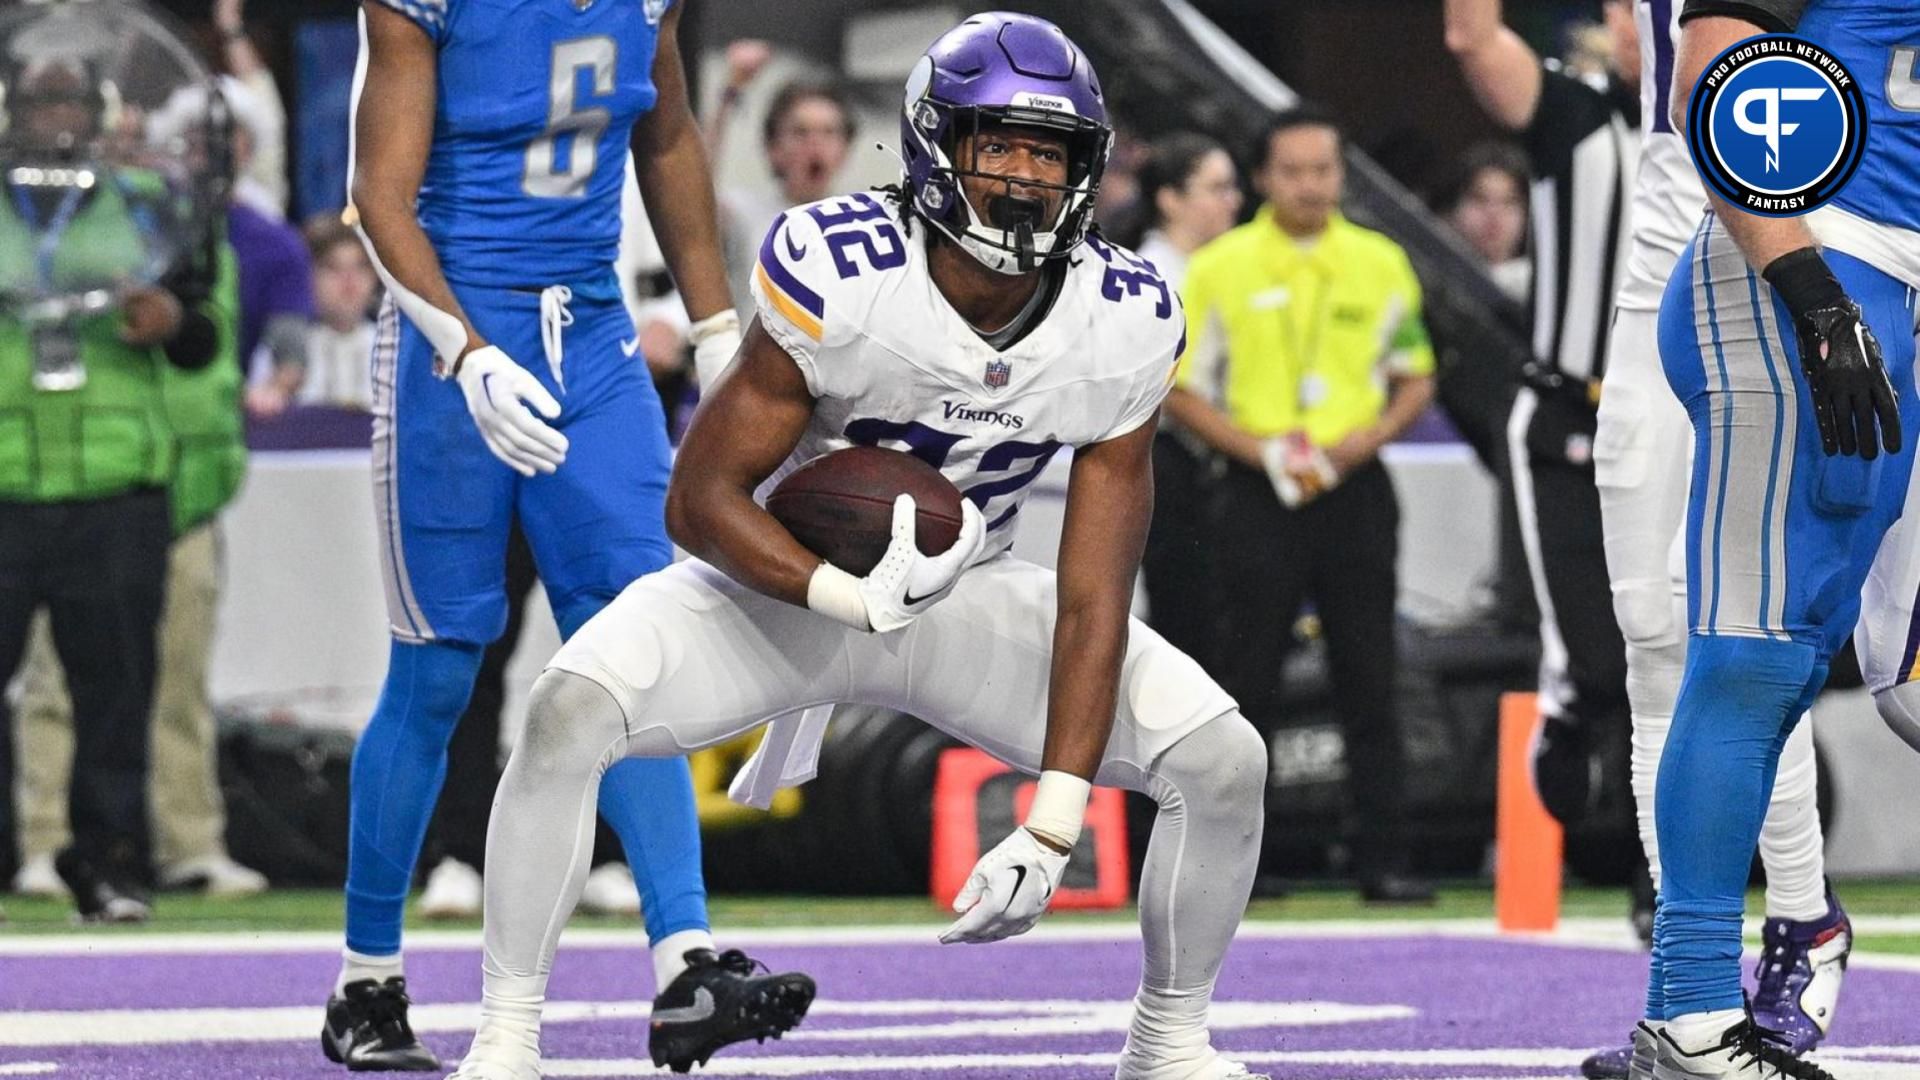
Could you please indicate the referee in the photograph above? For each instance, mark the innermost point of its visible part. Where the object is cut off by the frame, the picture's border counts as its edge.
(1582, 136)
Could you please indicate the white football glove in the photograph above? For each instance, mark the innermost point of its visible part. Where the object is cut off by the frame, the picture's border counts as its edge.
(1008, 890)
(715, 339)
(495, 386)
(905, 583)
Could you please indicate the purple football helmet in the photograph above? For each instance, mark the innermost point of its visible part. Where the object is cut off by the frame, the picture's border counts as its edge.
(1004, 68)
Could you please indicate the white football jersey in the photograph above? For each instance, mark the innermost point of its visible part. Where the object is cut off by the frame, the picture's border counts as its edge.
(843, 288)
(1668, 198)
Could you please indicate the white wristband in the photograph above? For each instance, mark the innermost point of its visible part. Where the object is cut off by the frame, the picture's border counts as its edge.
(836, 594)
(718, 323)
(1059, 807)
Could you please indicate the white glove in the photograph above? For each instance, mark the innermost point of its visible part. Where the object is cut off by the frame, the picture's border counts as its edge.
(495, 386)
(1299, 471)
(1008, 890)
(715, 339)
(905, 583)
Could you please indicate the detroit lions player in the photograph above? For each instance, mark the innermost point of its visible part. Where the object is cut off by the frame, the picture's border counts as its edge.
(1640, 467)
(972, 319)
(1790, 497)
(510, 121)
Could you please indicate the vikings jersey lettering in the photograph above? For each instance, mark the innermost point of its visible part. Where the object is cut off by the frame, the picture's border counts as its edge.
(537, 100)
(846, 292)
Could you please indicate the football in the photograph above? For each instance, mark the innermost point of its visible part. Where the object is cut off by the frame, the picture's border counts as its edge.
(840, 505)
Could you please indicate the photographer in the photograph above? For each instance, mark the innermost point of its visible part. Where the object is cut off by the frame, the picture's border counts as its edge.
(88, 451)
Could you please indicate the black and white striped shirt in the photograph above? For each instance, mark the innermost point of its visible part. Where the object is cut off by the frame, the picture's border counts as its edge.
(1584, 142)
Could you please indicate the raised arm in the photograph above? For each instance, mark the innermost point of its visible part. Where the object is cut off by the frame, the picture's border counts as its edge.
(1502, 69)
(676, 184)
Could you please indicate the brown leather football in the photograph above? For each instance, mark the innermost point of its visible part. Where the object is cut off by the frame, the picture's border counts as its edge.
(840, 505)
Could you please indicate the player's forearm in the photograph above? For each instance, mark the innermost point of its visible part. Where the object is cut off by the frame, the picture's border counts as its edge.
(1089, 643)
(404, 257)
(1213, 427)
(676, 184)
(721, 525)
(1762, 239)
(1701, 40)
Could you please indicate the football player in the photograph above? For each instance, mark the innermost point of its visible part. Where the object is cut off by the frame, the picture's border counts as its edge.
(491, 142)
(1640, 467)
(969, 317)
(1791, 343)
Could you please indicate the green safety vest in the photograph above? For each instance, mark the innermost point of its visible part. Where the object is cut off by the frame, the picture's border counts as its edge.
(138, 421)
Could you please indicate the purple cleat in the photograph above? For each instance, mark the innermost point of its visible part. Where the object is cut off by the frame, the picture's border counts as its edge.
(1801, 968)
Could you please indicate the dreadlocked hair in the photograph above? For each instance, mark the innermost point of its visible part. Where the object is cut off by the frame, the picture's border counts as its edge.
(897, 195)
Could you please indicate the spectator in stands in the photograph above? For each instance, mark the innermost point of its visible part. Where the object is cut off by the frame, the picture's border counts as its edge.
(261, 116)
(1486, 203)
(84, 531)
(340, 341)
(1307, 356)
(1190, 192)
(806, 135)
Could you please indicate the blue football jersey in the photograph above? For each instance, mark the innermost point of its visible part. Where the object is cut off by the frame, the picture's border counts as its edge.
(1878, 41)
(536, 102)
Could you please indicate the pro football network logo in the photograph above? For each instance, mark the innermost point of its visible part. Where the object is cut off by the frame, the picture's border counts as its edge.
(1777, 125)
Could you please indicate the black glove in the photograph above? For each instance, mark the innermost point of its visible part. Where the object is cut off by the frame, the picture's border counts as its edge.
(1840, 357)
(1564, 770)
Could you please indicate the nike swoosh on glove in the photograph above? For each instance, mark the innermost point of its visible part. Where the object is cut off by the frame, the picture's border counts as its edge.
(905, 583)
(496, 388)
(1008, 890)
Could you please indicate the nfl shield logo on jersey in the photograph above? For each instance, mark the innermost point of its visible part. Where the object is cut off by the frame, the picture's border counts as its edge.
(654, 9)
(998, 372)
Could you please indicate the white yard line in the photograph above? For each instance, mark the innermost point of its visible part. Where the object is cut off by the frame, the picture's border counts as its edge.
(1586, 932)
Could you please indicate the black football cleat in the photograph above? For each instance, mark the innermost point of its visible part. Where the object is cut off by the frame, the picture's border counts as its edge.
(102, 892)
(719, 1001)
(367, 1029)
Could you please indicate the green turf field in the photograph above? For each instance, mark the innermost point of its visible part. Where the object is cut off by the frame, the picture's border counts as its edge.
(310, 909)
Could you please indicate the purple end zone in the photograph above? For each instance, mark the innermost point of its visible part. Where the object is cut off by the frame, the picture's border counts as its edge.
(1467, 995)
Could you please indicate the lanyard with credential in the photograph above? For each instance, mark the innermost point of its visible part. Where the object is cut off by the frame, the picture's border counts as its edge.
(1305, 342)
(57, 228)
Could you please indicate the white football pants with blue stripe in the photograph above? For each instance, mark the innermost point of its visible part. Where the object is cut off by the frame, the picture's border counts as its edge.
(1779, 538)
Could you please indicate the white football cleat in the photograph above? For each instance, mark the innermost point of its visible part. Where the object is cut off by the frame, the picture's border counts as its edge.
(1209, 1066)
(37, 877)
(213, 875)
(454, 891)
(610, 891)
(1741, 1052)
(497, 1054)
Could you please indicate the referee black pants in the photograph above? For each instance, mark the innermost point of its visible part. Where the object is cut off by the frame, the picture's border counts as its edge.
(99, 566)
(1339, 552)
(1178, 562)
(1583, 659)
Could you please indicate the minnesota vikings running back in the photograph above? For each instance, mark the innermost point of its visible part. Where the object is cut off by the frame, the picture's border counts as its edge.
(972, 318)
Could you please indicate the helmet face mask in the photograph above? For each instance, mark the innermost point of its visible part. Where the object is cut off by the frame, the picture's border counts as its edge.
(1019, 77)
